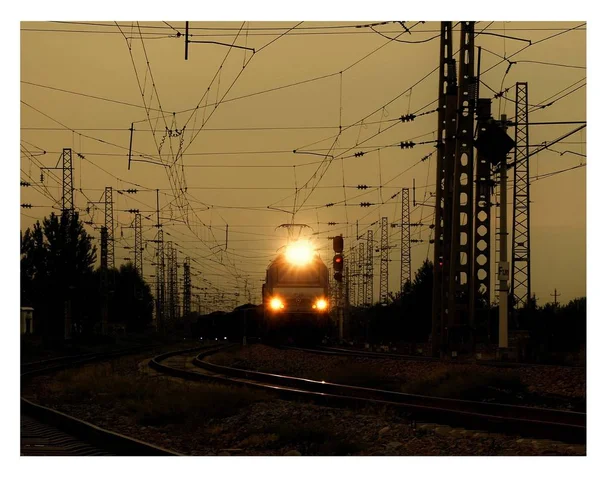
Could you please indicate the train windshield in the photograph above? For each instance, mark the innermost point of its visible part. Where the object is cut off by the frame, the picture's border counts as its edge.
(293, 275)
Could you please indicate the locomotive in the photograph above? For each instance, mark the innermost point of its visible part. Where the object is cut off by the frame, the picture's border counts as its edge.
(296, 296)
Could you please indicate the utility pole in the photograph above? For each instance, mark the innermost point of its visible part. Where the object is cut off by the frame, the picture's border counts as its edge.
(521, 241)
(361, 274)
(503, 267)
(555, 295)
(104, 277)
(67, 182)
(187, 287)
(405, 267)
(444, 183)
(369, 271)
(461, 298)
(160, 283)
(109, 224)
(352, 277)
(138, 246)
(384, 249)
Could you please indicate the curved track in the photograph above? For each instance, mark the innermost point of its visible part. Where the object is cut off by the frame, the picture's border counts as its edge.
(525, 421)
(45, 431)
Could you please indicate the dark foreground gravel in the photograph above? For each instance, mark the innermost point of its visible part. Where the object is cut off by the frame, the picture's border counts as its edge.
(210, 419)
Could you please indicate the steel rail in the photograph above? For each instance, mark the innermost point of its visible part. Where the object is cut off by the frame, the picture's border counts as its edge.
(102, 439)
(525, 421)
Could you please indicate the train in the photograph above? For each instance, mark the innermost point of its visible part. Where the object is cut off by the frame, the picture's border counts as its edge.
(295, 296)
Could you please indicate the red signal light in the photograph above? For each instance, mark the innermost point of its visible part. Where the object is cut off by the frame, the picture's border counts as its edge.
(338, 262)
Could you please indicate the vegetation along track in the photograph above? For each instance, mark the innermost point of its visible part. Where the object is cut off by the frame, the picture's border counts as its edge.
(45, 431)
(526, 421)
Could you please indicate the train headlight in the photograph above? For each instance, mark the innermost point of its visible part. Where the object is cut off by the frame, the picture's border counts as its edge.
(321, 304)
(276, 304)
(299, 253)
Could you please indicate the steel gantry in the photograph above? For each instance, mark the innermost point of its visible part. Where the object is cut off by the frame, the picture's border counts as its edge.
(160, 282)
(369, 269)
(444, 182)
(67, 181)
(521, 241)
(483, 203)
(405, 268)
(361, 274)
(453, 299)
(461, 298)
(110, 227)
(138, 245)
(352, 277)
(187, 287)
(384, 249)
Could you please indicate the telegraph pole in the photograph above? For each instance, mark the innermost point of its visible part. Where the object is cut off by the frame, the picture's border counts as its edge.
(555, 295)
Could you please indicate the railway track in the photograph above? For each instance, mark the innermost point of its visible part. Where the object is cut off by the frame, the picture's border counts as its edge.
(48, 432)
(420, 358)
(525, 421)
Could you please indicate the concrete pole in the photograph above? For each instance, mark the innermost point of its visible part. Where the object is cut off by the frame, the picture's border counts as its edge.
(503, 266)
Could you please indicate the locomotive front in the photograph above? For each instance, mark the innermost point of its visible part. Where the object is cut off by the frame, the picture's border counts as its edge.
(296, 295)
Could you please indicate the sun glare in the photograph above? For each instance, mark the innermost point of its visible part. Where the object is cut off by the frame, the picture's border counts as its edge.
(299, 253)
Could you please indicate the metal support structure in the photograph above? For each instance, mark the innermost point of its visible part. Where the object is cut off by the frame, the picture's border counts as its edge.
(361, 274)
(521, 241)
(483, 194)
(103, 249)
(187, 287)
(160, 283)
(138, 256)
(383, 270)
(110, 227)
(369, 269)
(503, 267)
(445, 163)
(67, 181)
(405, 267)
(461, 299)
(171, 279)
(104, 277)
(352, 278)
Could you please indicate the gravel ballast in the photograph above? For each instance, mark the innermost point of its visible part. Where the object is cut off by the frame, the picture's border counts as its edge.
(113, 396)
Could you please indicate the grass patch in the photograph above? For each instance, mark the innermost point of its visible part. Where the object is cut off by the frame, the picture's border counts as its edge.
(152, 401)
(310, 438)
(466, 384)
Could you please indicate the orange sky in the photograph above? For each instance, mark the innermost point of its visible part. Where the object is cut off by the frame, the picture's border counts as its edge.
(242, 161)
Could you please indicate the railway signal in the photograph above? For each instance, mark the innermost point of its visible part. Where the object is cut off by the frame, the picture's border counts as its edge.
(338, 258)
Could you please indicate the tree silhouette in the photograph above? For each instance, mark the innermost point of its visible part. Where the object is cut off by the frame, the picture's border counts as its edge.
(131, 300)
(57, 260)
